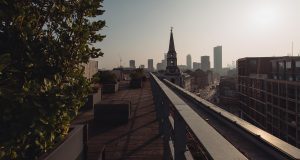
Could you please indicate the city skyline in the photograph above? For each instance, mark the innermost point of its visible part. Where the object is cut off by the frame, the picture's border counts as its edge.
(244, 29)
(62, 99)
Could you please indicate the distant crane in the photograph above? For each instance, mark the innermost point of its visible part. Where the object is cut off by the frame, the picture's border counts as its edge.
(120, 61)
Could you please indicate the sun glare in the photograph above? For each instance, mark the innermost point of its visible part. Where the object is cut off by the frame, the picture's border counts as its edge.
(265, 16)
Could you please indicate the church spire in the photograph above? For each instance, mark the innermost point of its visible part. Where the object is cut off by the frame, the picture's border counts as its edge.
(171, 45)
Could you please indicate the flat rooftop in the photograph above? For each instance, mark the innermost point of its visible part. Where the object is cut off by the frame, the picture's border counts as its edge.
(137, 139)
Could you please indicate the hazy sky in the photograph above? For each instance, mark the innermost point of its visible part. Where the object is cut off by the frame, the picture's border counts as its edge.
(140, 29)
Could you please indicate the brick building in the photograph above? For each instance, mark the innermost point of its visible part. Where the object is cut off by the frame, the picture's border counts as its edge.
(269, 95)
(227, 90)
(200, 79)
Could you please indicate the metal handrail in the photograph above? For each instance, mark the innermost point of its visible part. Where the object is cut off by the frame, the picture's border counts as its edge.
(266, 141)
(216, 146)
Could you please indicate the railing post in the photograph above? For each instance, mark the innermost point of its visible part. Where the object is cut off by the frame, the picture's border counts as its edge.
(166, 128)
(179, 137)
(85, 140)
(159, 104)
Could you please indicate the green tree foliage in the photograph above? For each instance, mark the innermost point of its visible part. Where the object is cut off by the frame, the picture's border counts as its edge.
(42, 47)
(137, 74)
(105, 77)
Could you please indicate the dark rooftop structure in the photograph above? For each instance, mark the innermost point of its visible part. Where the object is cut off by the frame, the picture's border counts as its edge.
(137, 139)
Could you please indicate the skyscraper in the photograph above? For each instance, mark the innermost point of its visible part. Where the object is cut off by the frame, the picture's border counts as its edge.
(150, 65)
(196, 65)
(132, 63)
(218, 59)
(189, 62)
(205, 63)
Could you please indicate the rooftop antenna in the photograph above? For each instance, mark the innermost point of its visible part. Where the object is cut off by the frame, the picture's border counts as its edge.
(292, 48)
(120, 60)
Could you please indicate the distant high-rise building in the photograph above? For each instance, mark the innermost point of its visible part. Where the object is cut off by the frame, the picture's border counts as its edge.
(150, 65)
(218, 59)
(196, 65)
(183, 67)
(159, 67)
(142, 66)
(163, 64)
(164, 61)
(132, 63)
(90, 69)
(205, 63)
(189, 61)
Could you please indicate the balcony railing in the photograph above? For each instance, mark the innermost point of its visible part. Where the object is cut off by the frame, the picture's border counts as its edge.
(178, 120)
(176, 116)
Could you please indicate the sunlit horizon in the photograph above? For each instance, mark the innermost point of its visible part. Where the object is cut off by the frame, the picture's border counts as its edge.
(139, 30)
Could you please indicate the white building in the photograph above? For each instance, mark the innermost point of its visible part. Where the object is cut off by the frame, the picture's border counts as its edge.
(90, 69)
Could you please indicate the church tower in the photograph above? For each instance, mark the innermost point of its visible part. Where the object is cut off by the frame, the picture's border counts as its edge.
(172, 68)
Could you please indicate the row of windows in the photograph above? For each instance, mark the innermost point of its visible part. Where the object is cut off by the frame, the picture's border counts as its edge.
(281, 65)
(288, 77)
(284, 90)
(251, 82)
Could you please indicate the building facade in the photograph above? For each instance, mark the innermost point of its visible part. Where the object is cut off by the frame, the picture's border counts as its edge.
(183, 67)
(205, 63)
(150, 65)
(132, 64)
(227, 90)
(90, 69)
(189, 62)
(163, 64)
(196, 65)
(159, 67)
(269, 95)
(218, 59)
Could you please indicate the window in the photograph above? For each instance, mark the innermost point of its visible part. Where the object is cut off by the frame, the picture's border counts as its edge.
(274, 66)
(281, 66)
(297, 77)
(253, 62)
(297, 63)
(291, 91)
(288, 65)
(291, 106)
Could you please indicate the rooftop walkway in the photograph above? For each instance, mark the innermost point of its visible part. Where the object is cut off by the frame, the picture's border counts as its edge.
(137, 139)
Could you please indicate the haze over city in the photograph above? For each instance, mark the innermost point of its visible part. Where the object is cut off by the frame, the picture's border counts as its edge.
(140, 30)
(150, 80)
